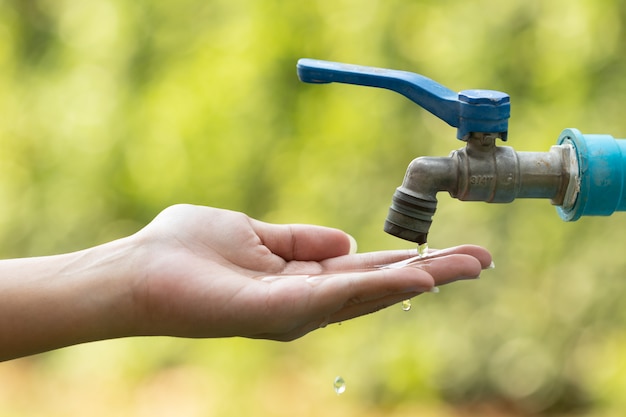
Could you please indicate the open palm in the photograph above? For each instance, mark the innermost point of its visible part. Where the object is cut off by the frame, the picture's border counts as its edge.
(213, 273)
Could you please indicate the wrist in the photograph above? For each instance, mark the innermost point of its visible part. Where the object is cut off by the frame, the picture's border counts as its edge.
(100, 280)
(56, 301)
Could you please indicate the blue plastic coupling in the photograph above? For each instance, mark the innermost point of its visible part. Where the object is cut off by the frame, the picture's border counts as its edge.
(599, 185)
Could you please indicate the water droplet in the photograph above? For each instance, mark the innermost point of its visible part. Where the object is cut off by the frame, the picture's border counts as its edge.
(422, 249)
(339, 385)
(406, 305)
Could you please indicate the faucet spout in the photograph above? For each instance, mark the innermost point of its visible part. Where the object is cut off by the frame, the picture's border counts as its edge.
(481, 171)
(414, 203)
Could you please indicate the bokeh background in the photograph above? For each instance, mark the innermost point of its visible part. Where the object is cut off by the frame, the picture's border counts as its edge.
(111, 110)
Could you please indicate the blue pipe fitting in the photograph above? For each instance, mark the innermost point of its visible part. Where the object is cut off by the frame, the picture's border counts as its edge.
(601, 176)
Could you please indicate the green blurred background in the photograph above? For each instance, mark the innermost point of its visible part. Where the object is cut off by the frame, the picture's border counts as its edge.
(111, 110)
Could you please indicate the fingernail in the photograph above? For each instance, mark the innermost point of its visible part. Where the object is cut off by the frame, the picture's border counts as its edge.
(434, 290)
(491, 265)
(353, 245)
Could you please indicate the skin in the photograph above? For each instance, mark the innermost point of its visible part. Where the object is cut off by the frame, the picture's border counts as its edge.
(203, 272)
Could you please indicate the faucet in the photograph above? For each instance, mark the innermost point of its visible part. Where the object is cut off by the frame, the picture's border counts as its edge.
(582, 175)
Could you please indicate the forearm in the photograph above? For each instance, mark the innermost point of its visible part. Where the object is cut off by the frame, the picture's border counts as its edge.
(56, 301)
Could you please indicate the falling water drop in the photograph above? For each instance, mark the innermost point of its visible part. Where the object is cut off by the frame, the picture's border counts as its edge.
(339, 385)
(422, 249)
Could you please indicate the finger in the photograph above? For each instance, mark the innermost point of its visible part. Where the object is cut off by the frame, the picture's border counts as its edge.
(449, 268)
(341, 292)
(380, 259)
(303, 242)
(317, 299)
(337, 297)
(370, 291)
(347, 313)
(366, 261)
(478, 252)
(344, 314)
(372, 306)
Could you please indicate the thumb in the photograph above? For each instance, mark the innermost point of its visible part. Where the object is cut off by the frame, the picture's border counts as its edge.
(302, 242)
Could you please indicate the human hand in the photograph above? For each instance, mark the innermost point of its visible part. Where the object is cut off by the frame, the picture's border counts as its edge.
(206, 272)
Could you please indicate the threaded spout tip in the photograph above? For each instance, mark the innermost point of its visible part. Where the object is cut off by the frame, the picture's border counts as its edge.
(410, 217)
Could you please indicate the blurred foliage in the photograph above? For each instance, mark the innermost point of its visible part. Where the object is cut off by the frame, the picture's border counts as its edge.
(112, 110)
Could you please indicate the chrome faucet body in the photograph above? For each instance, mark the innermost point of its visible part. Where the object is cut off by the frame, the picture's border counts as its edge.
(581, 174)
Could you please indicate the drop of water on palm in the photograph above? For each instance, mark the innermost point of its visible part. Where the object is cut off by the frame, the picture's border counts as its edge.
(406, 305)
(339, 385)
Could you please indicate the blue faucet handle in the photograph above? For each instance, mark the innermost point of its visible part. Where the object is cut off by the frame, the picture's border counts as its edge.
(481, 111)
